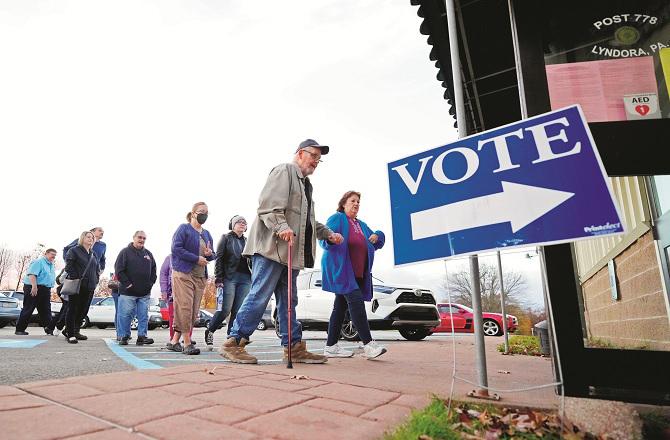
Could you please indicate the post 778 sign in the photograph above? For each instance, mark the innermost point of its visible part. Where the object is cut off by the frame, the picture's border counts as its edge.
(536, 181)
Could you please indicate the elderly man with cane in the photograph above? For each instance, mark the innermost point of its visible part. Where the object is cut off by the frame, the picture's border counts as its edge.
(285, 214)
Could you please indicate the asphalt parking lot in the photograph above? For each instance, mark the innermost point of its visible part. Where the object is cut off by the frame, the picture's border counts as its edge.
(39, 357)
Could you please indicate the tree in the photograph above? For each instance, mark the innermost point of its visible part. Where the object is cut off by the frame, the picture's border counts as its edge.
(21, 266)
(209, 297)
(461, 289)
(6, 261)
(23, 260)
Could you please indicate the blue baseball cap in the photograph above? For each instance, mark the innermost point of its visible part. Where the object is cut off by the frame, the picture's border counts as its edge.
(312, 143)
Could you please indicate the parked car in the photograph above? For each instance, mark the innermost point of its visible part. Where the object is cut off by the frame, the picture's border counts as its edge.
(9, 310)
(34, 318)
(165, 312)
(204, 318)
(409, 309)
(266, 320)
(463, 319)
(101, 315)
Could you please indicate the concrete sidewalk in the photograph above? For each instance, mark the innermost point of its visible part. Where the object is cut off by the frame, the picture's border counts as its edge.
(345, 398)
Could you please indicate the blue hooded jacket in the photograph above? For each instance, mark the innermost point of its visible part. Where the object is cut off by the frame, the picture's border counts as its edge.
(336, 270)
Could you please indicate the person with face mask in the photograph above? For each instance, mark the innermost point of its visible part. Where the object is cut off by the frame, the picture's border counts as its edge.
(191, 251)
(232, 275)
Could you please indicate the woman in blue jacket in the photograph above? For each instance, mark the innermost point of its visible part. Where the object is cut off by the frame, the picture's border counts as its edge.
(346, 272)
(191, 251)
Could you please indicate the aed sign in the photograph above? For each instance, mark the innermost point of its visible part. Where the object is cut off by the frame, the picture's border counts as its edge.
(537, 181)
(642, 106)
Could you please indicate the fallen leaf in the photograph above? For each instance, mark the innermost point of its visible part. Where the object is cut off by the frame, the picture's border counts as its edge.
(504, 372)
(212, 370)
(425, 437)
(299, 377)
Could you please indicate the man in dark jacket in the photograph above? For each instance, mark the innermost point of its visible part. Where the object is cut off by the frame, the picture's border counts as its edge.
(136, 270)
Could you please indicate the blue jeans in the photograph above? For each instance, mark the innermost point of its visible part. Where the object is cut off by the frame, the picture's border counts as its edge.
(115, 296)
(268, 277)
(128, 307)
(235, 289)
(354, 303)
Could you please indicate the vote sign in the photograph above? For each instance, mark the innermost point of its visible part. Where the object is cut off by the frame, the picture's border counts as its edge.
(532, 182)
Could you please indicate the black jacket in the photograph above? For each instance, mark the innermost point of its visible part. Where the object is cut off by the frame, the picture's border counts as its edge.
(135, 267)
(75, 264)
(229, 256)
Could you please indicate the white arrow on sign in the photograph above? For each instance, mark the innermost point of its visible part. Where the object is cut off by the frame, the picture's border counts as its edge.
(517, 204)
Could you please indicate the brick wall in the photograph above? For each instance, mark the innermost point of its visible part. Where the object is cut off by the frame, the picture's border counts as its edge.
(639, 317)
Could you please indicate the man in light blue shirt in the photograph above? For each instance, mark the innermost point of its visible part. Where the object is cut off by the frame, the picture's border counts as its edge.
(37, 285)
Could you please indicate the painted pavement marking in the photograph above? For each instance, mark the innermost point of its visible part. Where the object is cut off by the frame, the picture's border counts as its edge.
(26, 343)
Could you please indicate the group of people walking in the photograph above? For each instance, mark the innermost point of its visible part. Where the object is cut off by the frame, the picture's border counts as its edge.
(247, 271)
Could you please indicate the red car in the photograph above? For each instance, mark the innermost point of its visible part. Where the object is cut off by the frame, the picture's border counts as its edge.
(463, 320)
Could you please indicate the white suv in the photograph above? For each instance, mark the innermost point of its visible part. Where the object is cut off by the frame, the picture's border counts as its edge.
(409, 309)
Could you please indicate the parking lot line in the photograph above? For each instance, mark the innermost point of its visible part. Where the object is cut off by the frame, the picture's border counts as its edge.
(128, 357)
(20, 343)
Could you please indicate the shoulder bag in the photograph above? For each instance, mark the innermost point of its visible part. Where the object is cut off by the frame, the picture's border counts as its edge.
(71, 287)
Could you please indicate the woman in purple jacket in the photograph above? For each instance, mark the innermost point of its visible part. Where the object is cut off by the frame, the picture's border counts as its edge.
(191, 251)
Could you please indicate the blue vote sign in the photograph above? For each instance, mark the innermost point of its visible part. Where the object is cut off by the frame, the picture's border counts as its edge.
(532, 182)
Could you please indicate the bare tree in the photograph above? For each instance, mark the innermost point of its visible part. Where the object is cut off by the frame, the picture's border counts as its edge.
(6, 261)
(21, 266)
(24, 259)
(461, 289)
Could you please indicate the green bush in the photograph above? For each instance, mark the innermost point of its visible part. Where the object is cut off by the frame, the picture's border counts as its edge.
(528, 345)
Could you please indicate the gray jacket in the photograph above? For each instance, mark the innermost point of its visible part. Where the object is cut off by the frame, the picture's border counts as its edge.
(282, 205)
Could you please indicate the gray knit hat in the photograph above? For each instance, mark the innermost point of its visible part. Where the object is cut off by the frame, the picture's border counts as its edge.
(236, 219)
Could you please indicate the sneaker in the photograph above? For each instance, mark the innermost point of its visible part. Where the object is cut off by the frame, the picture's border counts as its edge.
(300, 354)
(236, 353)
(335, 351)
(174, 347)
(80, 337)
(72, 340)
(56, 332)
(372, 350)
(18, 333)
(191, 350)
(143, 340)
(209, 337)
(124, 340)
(48, 331)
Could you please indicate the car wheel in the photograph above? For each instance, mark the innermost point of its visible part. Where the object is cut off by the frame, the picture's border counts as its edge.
(85, 323)
(151, 326)
(261, 326)
(3, 324)
(491, 328)
(101, 326)
(349, 332)
(134, 323)
(414, 334)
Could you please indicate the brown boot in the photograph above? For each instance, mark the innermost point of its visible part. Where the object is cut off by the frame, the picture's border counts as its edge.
(236, 353)
(299, 353)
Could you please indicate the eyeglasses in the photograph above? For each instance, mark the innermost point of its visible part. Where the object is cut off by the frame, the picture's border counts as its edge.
(139, 237)
(314, 156)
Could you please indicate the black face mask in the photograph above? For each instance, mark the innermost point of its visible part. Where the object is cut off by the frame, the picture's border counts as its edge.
(202, 218)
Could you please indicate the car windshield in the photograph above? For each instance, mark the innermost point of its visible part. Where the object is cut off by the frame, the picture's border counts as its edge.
(465, 308)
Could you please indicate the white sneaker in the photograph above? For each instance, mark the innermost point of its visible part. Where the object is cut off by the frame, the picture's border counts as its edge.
(56, 332)
(335, 351)
(372, 350)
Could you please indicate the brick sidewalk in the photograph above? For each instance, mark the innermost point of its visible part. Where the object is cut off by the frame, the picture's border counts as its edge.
(346, 398)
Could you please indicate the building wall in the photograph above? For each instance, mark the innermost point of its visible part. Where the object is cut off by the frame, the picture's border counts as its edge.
(639, 317)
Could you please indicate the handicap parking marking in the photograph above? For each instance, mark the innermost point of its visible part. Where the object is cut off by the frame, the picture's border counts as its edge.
(21, 343)
(128, 357)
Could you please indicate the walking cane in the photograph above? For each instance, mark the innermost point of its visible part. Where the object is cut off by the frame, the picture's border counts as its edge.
(289, 364)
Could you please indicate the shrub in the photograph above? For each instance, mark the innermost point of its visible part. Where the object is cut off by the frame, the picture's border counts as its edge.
(528, 345)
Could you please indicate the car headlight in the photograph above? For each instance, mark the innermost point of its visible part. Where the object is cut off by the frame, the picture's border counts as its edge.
(383, 289)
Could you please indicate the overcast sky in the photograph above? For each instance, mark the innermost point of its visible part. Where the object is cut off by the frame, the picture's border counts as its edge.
(123, 114)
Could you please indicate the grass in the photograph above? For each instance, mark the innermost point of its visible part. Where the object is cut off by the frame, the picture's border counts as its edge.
(528, 345)
(474, 421)
(655, 425)
(604, 343)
